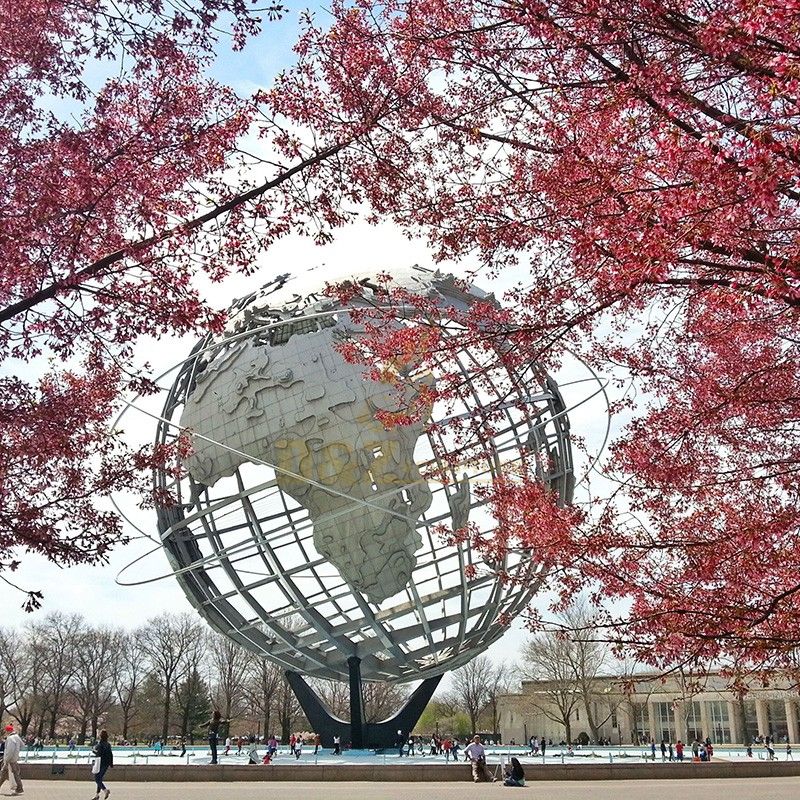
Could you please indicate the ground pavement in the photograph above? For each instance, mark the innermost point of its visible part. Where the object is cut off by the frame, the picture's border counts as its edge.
(708, 789)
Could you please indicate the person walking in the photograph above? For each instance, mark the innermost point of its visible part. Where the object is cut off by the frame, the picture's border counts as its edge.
(11, 758)
(679, 750)
(102, 751)
(317, 743)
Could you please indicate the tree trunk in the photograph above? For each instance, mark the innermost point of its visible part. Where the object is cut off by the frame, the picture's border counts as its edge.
(95, 725)
(24, 723)
(82, 732)
(747, 737)
(125, 723)
(568, 730)
(165, 726)
(593, 726)
(185, 720)
(267, 721)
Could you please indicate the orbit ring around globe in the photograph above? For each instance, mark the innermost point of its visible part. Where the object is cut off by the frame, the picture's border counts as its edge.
(306, 532)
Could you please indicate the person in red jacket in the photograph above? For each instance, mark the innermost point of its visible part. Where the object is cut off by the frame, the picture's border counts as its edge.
(679, 750)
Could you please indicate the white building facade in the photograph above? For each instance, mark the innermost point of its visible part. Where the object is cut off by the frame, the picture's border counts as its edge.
(649, 708)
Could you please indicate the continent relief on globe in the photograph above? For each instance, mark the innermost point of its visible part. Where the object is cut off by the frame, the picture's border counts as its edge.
(300, 407)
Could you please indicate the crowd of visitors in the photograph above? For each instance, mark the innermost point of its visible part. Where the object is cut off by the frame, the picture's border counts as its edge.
(447, 747)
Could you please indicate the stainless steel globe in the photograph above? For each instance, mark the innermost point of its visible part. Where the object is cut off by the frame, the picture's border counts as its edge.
(307, 532)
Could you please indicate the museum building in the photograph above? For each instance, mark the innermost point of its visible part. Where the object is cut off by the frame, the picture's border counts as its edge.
(655, 709)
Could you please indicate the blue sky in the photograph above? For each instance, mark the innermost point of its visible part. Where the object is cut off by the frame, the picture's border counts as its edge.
(265, 56)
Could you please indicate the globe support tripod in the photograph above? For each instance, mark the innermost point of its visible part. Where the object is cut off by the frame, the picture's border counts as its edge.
(390, 732)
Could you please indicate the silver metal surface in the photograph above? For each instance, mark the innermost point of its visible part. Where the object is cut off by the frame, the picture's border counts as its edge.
(242, 543)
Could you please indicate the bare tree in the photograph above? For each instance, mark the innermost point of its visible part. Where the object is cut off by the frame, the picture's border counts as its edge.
(8, 649)
(21, 678)
(56, 640)
(382, 699)
(499, 684)
(229, 669)
(167, 640)
(131, 668)
(192, 692)
(568, 663)
(590, 660)
(335, 695)
(260, 685)
(547, 661)
(470, 685)
(286, 707)
(92, 690)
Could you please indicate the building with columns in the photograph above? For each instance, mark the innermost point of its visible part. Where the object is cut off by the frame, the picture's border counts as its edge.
(650, 707)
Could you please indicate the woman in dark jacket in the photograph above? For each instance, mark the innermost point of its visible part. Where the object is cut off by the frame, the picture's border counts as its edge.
(515, 775)
(102, 750)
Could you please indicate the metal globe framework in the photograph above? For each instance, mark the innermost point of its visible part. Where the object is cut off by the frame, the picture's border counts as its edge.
(243, 549)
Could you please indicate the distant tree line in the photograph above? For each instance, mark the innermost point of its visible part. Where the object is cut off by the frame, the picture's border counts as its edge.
(65, 677)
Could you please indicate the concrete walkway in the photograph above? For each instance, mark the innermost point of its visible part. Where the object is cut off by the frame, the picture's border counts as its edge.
(708, 789)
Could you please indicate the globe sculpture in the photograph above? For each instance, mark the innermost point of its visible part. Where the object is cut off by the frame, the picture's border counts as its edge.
(309, 532)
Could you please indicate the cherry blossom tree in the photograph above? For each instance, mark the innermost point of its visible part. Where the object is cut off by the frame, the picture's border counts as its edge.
(633, 166)
(124, 175)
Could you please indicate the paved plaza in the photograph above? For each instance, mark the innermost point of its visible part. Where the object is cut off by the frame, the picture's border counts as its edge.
(709, 789)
